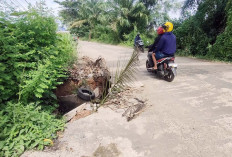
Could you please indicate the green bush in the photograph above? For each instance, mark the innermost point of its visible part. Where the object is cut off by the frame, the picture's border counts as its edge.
(105, 34)
(148, 38)
(222, 49)
(38, 84)
(207, 33)
(191, 39)
(33, 61)
(31, 52)
(24, 44)
(25, 127)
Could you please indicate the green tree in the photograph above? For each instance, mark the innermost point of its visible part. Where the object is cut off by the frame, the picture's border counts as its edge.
(89, 14)
(70, 10)
(114, 20)
(201, 33)
(125, 14)
(189, 4)
(222, 49)
(149, 3)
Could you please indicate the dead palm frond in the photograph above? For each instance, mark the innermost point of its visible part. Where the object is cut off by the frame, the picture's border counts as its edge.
(78, 23)
(124, 75)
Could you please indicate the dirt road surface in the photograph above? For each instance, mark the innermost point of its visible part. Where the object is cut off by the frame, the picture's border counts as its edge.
(189, 117)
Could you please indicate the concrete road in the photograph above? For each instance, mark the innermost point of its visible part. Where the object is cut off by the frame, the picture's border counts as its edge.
(189, 117)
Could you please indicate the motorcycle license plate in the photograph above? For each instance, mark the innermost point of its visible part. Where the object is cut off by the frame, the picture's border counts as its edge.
(173, 65)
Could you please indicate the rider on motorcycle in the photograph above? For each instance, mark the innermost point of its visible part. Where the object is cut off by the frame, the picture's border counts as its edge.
(166, 46)
(137, 38)
(152, 47)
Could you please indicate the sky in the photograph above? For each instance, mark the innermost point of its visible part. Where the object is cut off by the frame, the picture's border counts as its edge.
(23, 4)
(50, 3)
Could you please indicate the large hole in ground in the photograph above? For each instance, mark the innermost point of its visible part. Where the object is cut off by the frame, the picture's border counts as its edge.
(67, 94)
(93, 75)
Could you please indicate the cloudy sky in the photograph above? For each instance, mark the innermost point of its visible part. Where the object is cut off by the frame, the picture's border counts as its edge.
(23, 4)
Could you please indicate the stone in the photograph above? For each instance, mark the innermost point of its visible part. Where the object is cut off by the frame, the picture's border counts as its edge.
(96, 92)
(90, 75)
(86, 106)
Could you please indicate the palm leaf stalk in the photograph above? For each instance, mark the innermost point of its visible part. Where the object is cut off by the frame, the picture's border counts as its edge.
(123, 76)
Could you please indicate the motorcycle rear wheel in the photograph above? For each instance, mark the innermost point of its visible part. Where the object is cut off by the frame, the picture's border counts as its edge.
(170, 76)
(148, 66)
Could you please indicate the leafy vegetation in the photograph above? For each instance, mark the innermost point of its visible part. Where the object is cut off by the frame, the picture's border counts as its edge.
(114, 21)
(206, 33)
(33, 59)
(123, 75)
(222, 49)
(25, 127)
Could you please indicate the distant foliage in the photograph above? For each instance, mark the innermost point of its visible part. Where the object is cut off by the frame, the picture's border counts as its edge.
(191, 39)
(113, 21)
(222, 49)
(147, 38)
(207, 33)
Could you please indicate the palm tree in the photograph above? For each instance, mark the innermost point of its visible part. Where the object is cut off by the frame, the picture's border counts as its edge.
(149, 4)
(89, 14)
(121, 16)
(125, 14)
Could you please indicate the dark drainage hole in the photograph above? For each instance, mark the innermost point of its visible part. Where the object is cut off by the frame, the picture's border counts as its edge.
(70, 102)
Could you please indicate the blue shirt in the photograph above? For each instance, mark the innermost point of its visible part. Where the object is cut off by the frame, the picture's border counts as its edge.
(167, 44)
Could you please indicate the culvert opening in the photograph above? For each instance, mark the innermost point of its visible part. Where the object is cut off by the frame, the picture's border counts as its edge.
(94, 77)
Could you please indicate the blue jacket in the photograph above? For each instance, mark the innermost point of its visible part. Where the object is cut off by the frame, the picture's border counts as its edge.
(167, 44)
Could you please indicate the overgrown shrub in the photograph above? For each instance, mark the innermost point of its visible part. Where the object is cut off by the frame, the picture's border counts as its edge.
(191, 39)
(105, 34)
(33, 61)
(38, 84)
(25, 127)
(24, 44)
(30, 49)
(222, 49)
(148, 38)
(204, 34)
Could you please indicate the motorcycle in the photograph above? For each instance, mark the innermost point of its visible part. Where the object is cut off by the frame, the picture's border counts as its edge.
(139, 45)
(166, 68)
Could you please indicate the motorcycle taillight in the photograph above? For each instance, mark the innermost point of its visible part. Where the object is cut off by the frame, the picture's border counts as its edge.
(172, 59)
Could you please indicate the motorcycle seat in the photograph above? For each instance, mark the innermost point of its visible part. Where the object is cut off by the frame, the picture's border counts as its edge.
(166, 58)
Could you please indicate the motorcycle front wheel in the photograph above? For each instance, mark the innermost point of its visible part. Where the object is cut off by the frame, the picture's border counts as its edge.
(141, 49)
(170, 76)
